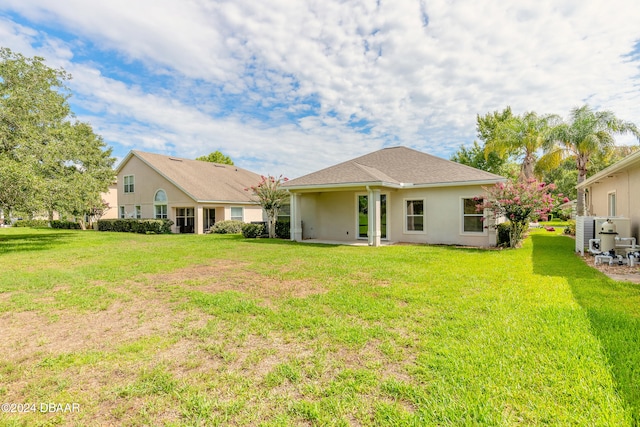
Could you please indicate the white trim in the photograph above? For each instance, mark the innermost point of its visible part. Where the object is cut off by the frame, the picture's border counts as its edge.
(401, 185)
(615, 203)
(405, 217)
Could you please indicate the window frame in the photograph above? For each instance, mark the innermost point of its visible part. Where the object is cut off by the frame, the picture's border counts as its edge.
(164, 213)
(122, 213)
(406, 215)
(235, 217)
(137, 211)
(463, 216)
(129, 187)
(612, 208)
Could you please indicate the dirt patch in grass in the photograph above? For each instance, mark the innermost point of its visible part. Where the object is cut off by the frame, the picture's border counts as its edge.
(228, 275)
(26, 334)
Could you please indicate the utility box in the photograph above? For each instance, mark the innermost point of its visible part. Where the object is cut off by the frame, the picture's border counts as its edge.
(623, 226)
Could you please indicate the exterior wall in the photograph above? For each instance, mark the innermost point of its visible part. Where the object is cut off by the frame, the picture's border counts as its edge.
(333, 216)
(111, 197)
(626, 185)
(444, 217)
(147, 182)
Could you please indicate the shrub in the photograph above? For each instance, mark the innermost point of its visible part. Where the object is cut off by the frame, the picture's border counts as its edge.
(571, 228)
(227, 227)
(252, 231)
(503, 230)
(132, 225)
(33, 223)
(65, 225)
(283, 229)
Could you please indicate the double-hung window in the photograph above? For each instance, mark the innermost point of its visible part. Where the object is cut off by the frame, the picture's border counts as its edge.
(237, 213)
(128, 184)
(414, 216)
(472, 219)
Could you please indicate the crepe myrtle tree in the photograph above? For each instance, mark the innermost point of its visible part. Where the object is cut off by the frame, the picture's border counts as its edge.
(520, 202)
(271, 197)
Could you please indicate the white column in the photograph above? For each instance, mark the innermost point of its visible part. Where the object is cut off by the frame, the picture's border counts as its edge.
(296, 220)
(199, 220)
(374, 217)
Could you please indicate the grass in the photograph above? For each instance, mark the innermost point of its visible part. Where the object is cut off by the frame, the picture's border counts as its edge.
(218, 330)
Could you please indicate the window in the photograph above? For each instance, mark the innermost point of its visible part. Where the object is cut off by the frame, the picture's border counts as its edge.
(122, 212)
(414, 212)
(160, 204)
(612, 203)
(128, 184)
(472, 220)
(161, 211)
(185, 220)
(138, 212)
(237, 214)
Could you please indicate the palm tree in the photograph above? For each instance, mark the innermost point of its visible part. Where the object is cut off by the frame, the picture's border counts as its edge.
(524, 137)
(587, 134)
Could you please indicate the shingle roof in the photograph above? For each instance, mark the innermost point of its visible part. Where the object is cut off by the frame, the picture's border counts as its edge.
(203, 181)
(395, 166)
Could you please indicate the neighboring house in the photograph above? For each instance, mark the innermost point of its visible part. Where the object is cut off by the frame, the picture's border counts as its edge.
(613, 192)
(191, 193)
(395, 195)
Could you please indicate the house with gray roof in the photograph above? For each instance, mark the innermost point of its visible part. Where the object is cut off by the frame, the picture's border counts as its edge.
(193, 194)
(392, 195)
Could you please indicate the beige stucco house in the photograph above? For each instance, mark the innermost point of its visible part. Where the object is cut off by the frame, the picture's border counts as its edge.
(191, 193)
(615, 191)
(394, 195)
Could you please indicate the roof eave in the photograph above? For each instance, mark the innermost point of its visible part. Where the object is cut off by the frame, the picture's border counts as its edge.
(402, 185)
(616, 167)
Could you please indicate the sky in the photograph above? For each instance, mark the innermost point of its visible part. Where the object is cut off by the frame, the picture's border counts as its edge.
(292, 86)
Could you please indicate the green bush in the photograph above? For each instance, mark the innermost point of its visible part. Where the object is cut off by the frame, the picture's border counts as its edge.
(132, 225)
(33, 223)
(65, 225)
(227, 227)
(252, 231)
(570, 228)
(283, 229)
(503, 233)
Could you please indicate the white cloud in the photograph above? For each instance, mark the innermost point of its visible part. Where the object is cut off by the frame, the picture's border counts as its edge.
(244, 72)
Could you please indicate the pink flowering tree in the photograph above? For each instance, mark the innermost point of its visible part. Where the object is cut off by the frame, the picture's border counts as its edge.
(271, 197)
(520, 202)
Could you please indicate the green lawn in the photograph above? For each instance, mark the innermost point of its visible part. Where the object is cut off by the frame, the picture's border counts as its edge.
(218, 330)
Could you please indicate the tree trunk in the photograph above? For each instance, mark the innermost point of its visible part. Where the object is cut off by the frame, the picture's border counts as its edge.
(582, 175)
(526, 170)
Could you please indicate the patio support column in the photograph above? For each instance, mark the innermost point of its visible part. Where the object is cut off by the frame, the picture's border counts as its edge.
(199, 220)
(296, 220)
(374, 217)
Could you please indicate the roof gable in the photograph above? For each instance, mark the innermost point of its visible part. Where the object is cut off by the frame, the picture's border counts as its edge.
(202, 181)
(397, 166)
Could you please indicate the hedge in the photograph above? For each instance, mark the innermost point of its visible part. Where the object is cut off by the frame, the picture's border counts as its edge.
(65, 225)
(34, 223)
(133, 225)
(252, 231)
(227, 227)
